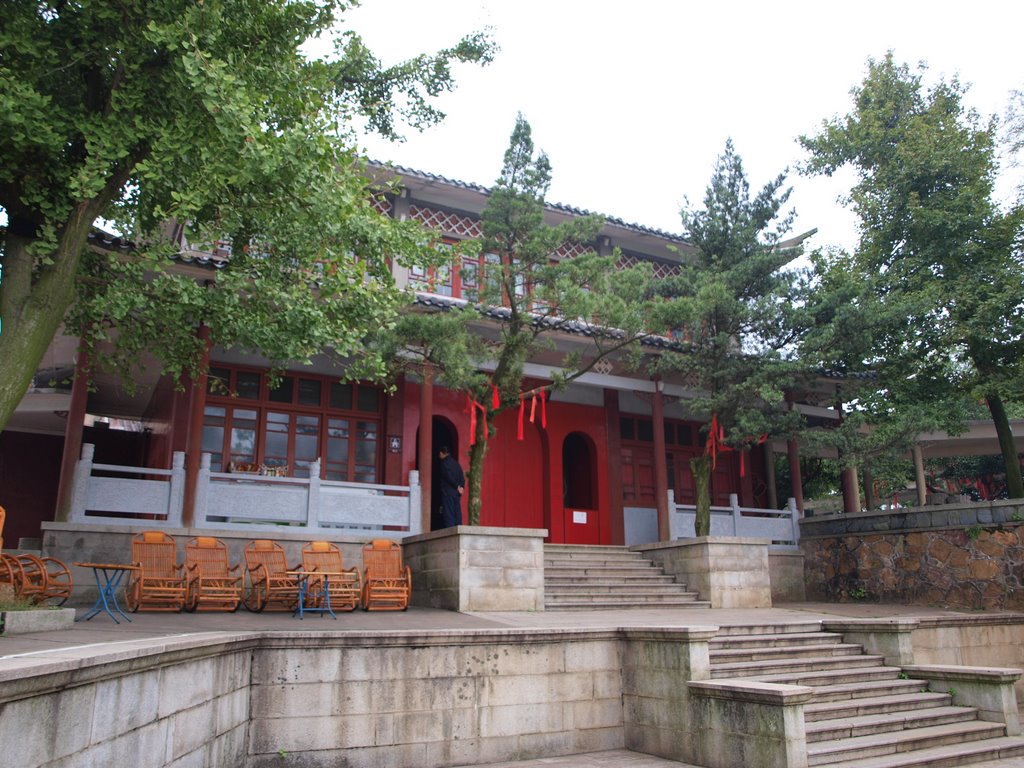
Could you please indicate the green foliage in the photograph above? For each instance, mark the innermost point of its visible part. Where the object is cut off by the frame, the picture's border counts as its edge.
(734, 300)
(209, 114)
(973, 532)
(526, 297)
(936, 285)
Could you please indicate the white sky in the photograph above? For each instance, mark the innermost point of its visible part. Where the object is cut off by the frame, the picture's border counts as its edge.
(634, 101)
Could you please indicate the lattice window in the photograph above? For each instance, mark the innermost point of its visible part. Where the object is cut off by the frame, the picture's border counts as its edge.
(571, 251)
(444, 221)
(661, 269)
(382, 205)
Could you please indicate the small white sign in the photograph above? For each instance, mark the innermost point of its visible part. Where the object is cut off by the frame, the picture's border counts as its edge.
(579, 517)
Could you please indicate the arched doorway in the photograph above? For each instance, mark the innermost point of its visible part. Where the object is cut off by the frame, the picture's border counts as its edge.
(443, 433)
(579, 490)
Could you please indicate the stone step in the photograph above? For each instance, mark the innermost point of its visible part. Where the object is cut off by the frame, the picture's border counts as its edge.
(594, 555)
(757, 670)
(608, 578)
(588, 548)
(631, 588)
(645, 598)
(599, 565)
(598, 557)
(865, 725)
(859, 690)
(873, 705)
(725, 655)
(746, 630)
(947, 756)
(819, 678)
(861, 747)
(653, 578)
(595, 605)
(787, 640)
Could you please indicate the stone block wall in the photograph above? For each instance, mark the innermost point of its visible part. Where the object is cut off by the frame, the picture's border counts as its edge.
(431, 702)
(957, 557)
(728, 571)
(189, 707)
(478, 568)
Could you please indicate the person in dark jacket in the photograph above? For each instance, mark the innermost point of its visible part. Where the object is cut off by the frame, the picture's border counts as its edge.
(452, 484)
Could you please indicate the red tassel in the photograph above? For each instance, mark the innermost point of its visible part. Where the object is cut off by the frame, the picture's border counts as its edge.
(472, 420)
(743, 464)
(521, 409)
(543, 409)
(495, 398)
(533, 406)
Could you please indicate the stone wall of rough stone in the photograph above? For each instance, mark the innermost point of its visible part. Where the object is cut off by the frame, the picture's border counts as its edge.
(960, 557)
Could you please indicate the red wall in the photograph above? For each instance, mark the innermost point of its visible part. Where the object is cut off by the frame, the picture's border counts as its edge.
(29, 474)
(522, 483)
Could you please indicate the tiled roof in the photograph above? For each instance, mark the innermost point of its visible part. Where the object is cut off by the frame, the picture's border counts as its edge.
(578, 327)
(560, 207)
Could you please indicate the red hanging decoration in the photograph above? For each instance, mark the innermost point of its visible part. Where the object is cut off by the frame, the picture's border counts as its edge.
(743, 462)
(495, 398)
(472, 405)
(519, 433)
(533, 406)
(714, 440)
(543, 409)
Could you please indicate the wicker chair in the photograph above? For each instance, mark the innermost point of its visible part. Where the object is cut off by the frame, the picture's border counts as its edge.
(344, 584)
(39, 579)
(159, 584)
(213, 583)
(269, 583)
(387, 583)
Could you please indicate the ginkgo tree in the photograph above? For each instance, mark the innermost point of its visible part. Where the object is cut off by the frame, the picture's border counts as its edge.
(135, 114)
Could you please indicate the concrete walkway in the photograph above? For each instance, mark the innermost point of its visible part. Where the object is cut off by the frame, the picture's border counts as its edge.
(100, 629)
(101, 632)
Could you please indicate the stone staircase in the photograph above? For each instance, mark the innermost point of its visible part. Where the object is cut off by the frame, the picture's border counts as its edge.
(863, 714)
(586, 578)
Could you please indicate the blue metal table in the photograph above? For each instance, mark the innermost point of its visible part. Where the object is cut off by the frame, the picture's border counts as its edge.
(108, 579)
(314, 592)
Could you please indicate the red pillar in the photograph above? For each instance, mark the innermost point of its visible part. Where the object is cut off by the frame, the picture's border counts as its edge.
(746, 494)
(73, 431)
(195, 431)
(425, 458)
(660, 466)
(618, 523)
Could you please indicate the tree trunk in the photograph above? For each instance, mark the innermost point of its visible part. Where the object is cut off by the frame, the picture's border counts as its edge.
(701, 468)
(1014, 485)
(31, 315)
(476, 471)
